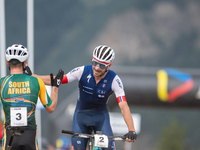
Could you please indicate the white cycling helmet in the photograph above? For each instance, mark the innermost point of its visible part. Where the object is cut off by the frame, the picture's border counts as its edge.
(17, 51)
(103, 54)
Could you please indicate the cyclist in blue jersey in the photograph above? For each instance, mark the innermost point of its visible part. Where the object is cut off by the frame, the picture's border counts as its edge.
(96, 83)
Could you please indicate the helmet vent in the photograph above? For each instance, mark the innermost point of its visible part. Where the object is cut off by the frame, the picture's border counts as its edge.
(24, 54)
(19, 52)
(10, 51)
(107, 58)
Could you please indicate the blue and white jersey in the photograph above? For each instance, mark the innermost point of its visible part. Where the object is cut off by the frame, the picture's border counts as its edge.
(92, 95)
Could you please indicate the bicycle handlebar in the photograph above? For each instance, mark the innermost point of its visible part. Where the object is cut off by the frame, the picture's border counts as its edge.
(117, 138)
(68, 132)
(83, 135)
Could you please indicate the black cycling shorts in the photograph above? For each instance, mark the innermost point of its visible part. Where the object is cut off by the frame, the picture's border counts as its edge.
(27, 140)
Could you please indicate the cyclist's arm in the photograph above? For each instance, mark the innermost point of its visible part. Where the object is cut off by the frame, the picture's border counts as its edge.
(48, 103)
(54, 98)
(118, 89)
(45, 78)
(125, 110)
(73, 75)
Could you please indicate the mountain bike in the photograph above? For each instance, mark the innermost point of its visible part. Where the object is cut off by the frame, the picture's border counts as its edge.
(98, 140)
(15, 132)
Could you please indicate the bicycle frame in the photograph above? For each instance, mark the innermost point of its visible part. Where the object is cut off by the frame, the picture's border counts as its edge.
(92, 136)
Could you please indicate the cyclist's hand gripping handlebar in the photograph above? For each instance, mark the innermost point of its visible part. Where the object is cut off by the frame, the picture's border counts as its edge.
(131, 135)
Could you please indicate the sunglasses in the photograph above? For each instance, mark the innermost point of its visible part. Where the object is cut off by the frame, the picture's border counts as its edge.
(101, 66)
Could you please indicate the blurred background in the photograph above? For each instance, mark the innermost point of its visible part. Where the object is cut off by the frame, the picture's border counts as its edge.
(152, 40)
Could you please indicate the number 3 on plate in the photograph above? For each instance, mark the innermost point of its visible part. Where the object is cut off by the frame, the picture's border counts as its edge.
(18, 116)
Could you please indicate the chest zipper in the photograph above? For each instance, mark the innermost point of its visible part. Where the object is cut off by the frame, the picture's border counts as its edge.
(94, 93)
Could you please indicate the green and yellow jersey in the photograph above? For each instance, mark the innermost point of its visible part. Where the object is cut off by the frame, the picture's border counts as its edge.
(19, 95)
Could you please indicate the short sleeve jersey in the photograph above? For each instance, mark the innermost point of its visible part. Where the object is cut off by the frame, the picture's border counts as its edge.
(92, 95)
(20, 90)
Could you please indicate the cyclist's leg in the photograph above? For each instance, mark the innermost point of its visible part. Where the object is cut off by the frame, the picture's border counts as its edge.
(107, 130)
(27, 140)
(79, 126)
(30, 140)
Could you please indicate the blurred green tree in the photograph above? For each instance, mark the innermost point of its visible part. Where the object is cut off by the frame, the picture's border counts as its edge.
(172, 137)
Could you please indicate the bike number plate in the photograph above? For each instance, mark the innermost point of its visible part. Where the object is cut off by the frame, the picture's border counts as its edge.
(18, 116)
(100, 141)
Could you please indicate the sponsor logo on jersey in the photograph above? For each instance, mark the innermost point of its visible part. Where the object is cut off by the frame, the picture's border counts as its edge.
(104, 85)
(74, 70)
(89, 77)
(101, 93)
(119, 83)
(101, 96)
